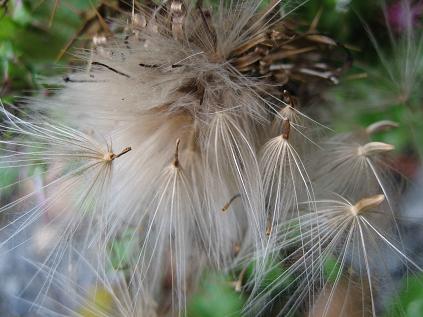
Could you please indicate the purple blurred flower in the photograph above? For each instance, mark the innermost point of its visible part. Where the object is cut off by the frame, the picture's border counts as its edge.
(403, 15)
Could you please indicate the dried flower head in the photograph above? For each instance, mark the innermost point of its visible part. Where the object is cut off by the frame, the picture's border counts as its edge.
(218, 166)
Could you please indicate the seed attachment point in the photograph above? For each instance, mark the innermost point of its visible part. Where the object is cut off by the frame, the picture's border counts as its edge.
(367, 203)
(269, 230)
(110, 156)
(372, 148)
(228, 204)
(289, 99)
(286, 128)
(177, 15)
(176, 159)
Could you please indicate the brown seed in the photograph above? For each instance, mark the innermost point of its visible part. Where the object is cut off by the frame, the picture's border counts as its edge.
(366, 204)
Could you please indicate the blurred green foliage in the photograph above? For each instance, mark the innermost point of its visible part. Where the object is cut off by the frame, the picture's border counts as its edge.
(331, 269)
(7, 177)
(122, 250)
(339, 18)
(409, 301)
(32, 37)
(216, 298)
(274, 272)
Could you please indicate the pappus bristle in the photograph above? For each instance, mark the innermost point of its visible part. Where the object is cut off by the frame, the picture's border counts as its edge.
(357, 236)
(73, 163)
(90, 287)
(73, 172)
(285, 178)
(354, 166)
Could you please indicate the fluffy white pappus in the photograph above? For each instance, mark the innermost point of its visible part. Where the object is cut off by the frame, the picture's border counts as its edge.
(67, 177)
(90, 286)
(74, 167)
(400, 75)
(215, 175)
(159, 84)
(355, 166)
(403, 63)
(303, 125)
(339, 242)
(285, 179)
(352, 164)
(169, 247)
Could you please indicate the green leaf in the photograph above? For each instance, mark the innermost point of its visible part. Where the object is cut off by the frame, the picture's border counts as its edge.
(21, 14)
(8, 176)
(216, 298)
(409, 302)
(276, 271)
(6, 50)
(121, 250)
(7, 28)
(331, 269)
